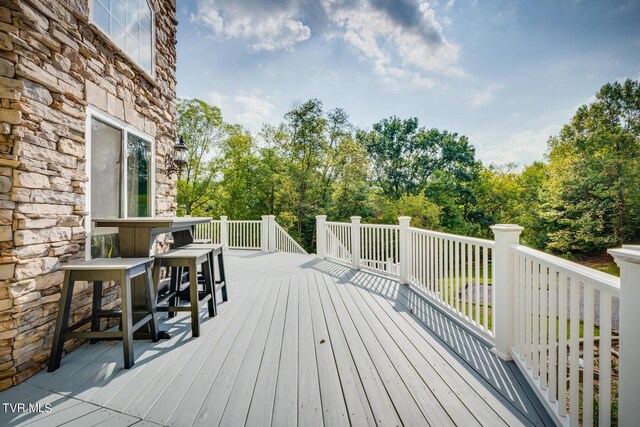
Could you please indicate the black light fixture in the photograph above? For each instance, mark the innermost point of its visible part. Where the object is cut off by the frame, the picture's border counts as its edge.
(176, 161)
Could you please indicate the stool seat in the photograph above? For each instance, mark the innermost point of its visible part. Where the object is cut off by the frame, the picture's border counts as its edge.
(107, 264)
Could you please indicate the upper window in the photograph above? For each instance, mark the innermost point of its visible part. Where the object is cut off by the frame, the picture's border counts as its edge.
(129, 24)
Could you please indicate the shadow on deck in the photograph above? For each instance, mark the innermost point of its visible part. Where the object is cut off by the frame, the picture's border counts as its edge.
(301, 341)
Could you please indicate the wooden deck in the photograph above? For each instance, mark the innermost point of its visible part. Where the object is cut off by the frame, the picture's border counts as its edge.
(301, 342)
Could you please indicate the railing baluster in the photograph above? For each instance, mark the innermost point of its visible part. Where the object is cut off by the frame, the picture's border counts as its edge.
(604, 350)
(477, 285)
(527, 310)
(562, 345)
(535, 318)
(485, 288)
(553, 345)
(587, 351)
(543, 327)
(574, 352)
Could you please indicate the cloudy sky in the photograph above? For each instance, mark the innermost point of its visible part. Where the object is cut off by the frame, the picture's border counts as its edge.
(505, 73)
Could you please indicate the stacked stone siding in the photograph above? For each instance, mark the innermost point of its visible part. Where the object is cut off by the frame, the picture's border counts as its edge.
(53, 64)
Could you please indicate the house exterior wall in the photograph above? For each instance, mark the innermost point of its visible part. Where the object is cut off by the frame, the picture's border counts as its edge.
(53, 64)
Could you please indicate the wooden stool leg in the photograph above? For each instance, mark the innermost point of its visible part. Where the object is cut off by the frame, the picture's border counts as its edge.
(151, 305)
(223, 277)
(210, 287)
(62, 322)
(193, 295)
(126, 322)
(176, 281)
(97, 305)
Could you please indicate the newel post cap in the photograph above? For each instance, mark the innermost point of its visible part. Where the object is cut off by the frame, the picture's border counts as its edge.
(405, 219)
(627, 253)
(507, 228)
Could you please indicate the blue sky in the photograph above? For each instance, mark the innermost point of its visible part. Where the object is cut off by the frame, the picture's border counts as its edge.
(507, 74)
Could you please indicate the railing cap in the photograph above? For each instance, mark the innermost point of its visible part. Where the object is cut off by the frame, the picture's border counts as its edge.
(356, 218)
(507, 228)
(404, 218)
(321, 216)
(628, 253)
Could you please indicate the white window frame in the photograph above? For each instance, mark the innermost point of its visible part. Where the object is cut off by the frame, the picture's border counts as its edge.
(122, 49)
(126, 129)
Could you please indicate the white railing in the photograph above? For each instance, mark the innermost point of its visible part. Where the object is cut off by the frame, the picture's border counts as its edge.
(380, 248)
(556, 329)
(338, 238)
(555, 318)
(286, 243)
(245, 234)
(456, 272)
(265, 235)
(209, 231)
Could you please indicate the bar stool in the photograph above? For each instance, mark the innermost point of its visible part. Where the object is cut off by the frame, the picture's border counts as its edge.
(178, 260)
(215, 251)
(99, 270)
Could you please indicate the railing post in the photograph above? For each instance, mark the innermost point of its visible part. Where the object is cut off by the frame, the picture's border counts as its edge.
(321, 235)
(503, 287)
(224, 232)
(272, 233)
(264, 234)
(628, 259)
(405, 249)
(355, 242)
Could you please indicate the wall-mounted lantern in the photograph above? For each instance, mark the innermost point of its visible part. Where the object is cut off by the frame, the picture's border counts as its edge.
(178, 160)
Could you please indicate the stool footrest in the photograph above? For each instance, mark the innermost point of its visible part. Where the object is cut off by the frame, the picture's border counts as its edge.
(77, 325)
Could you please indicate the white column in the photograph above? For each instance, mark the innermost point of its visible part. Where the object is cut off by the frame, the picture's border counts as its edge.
(405, 249)
(321, 241)
(272, 233)
(503, 287)
(355, 242)
(224, 232)
(264, 234)
(628, 259)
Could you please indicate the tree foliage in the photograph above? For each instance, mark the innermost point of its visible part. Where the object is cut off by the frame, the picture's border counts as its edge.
(584, 198)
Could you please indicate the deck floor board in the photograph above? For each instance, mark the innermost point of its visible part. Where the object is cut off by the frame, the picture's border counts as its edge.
(301, 341)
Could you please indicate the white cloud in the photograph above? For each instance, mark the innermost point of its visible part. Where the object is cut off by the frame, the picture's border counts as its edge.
(402, 39)
(484, 97)
(248, 108)
(255, 109)
(400, 53)
(275, 29)
(522, 148)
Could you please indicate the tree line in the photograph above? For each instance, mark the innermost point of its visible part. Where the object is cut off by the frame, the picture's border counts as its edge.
(583, 198)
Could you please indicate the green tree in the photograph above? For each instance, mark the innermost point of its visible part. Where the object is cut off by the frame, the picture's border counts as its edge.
(593, 199)
(404, 155)
(201, 127)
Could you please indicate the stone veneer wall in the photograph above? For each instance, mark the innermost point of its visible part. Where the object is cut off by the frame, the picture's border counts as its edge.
(53, 63)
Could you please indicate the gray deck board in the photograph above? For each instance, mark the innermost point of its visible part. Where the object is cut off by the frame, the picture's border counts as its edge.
(285, 405)
(301, 341)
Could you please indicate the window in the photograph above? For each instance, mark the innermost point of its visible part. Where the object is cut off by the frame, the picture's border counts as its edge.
(129, 24)
(121, 179)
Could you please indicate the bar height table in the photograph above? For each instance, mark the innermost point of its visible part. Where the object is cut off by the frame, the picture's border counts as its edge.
(137, 238)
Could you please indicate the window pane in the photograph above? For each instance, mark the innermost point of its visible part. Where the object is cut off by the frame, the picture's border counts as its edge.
(106, 145)
(117, 33)
(106, 148)
(119, 11)
(101, 16)
(128, 23)
(138, 176)
(145, 59)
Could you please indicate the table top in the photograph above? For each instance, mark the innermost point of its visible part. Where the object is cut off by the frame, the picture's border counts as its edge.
(150, 222)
